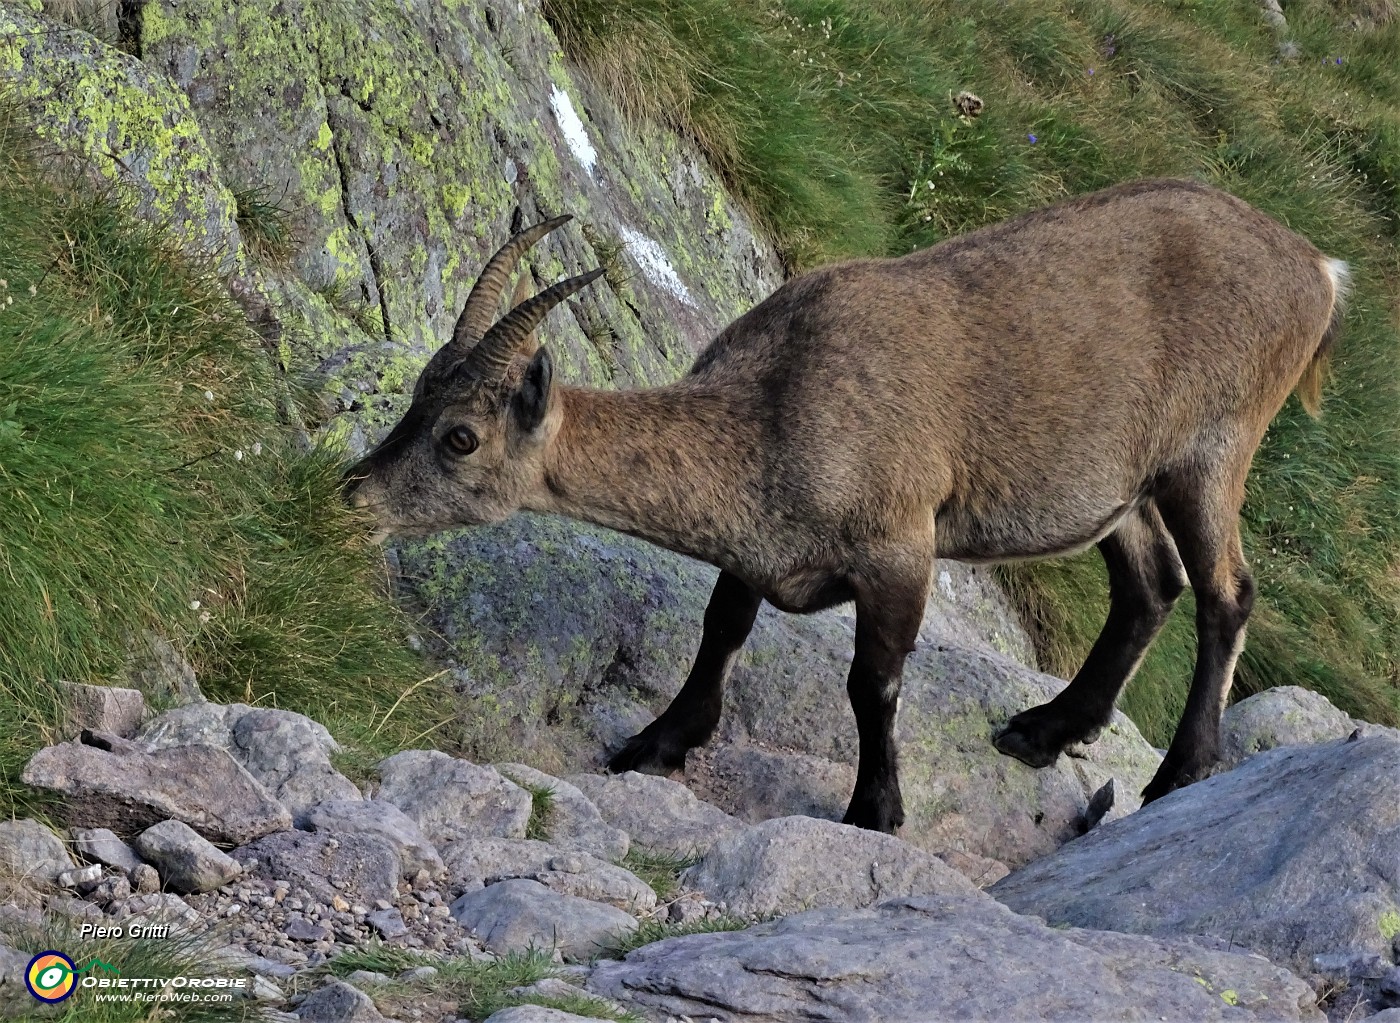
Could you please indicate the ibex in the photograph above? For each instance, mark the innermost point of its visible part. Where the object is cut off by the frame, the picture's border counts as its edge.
(1096, 372)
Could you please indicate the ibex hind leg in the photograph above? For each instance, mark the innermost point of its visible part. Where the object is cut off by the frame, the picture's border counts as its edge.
(690, 720)
(1202, 512)
(1145, 576)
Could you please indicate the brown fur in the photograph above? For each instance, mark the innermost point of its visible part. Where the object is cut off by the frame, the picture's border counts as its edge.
(1097, 372)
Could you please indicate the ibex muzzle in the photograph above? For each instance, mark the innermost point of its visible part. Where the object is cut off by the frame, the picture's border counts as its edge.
(1097, 372)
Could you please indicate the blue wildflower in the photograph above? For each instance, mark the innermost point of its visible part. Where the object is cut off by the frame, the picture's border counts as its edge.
(1033, 139)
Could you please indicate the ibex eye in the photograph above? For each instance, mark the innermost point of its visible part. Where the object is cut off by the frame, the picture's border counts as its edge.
(460, 440)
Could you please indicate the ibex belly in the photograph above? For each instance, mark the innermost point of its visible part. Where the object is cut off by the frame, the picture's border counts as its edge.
(1023, 534)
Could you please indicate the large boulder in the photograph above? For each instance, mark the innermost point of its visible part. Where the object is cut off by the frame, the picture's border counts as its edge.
(128, 789)
(1295, 853)
(796, 863)
(520, 914)
(289, 753)
(453, 798)
(945, 958)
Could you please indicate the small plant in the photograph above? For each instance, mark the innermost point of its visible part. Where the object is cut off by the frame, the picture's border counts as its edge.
(541, 812)
(609, 251)
(266, 224)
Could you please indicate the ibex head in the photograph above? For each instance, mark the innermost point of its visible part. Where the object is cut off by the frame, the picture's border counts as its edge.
(471, 446)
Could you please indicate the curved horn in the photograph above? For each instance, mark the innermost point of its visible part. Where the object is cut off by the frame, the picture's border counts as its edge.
(490, 358)
(480, 308)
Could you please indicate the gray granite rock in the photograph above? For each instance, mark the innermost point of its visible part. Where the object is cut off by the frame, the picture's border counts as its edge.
(186, 862)
(1294, 853)
(520, 914)
(1283, 716)
(538, 1014)
(791, 864)
(963, 958)
(363, 867)
(658, 814)
(30, 850)
(130, 790)
(102, 708)
(567, 871)
(337, 1002)
(450, 798)
(574, 821)
(383, 818)
(100, 845)
(288, 753)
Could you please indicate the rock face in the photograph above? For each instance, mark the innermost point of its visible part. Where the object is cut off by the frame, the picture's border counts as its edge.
(658, 814)
(796, 863)
(129, 790)
(538, 1014)
(28, 850)
(187, 863)
(945, 958)
(1295, 853)
(289, 753)
(520, 914)
(1284, 716)
(448, 797)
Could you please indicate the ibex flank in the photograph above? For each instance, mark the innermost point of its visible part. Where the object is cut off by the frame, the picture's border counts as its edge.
(1097, 372)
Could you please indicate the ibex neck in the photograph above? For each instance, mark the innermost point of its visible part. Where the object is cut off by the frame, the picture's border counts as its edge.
(660, 464)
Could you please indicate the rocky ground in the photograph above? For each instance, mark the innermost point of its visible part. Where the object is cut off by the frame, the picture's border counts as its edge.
(1267, 892)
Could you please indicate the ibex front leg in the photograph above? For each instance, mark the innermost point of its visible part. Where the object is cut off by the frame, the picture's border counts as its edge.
(889, 610)
(690, 720)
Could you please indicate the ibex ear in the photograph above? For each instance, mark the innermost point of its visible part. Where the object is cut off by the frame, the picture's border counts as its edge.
(531, 402)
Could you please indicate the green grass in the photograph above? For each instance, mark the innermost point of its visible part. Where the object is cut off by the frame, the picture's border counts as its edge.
(832, 118)
(147, 483)
(660, 870)
(265, 224)
(179, 955)
(479, 988)
(541, 812)
(649, 931)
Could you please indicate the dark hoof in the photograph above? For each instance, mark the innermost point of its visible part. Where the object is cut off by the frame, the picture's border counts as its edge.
(1169, 778)
(648, 754)
(1025, 744)
(875, 814)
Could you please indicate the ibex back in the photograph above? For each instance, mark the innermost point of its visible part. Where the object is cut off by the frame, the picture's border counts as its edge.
(1097, 372)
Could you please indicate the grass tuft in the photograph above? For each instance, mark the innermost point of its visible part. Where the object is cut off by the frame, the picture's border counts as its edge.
(651, 931)
(148, 484)
(265, 224)
(660, 870)
(541, 812)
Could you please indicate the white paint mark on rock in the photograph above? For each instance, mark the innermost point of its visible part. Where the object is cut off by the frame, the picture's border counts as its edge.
(575, 134)
(655, 265)
(945, 584)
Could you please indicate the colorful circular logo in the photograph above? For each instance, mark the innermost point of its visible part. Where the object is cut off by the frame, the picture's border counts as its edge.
(50, 977)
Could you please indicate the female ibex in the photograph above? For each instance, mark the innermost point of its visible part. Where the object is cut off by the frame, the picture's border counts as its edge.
(1098, 372)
